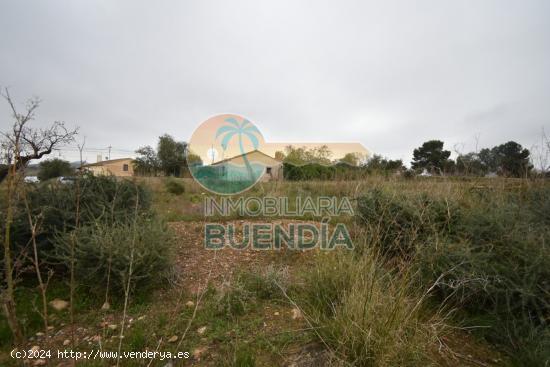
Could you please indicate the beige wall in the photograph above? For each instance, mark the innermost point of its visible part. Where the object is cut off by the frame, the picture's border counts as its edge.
(115, 168)
(275, 174)
(255, 156)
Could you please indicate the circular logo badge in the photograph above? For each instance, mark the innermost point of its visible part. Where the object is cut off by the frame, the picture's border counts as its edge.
(225, 154)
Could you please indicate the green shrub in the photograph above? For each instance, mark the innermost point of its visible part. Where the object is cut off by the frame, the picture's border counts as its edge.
(103, 253)
(397, 223)
(174, 187)
(101, 199)
(488, 252)
(498, 269)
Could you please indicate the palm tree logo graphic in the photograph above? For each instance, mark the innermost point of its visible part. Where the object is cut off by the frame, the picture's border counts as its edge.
(244, 129)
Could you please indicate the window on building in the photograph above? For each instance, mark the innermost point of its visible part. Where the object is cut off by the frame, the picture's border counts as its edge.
(125, 167)
(268, 170)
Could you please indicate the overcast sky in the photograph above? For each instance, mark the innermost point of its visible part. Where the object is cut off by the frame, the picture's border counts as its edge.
(389, 74)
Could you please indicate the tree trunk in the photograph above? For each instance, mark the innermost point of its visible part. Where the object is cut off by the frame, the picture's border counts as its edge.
(8, 301)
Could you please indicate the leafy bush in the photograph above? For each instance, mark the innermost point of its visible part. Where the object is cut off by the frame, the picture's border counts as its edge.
(101, 199)
(312, 171)
(174, 187)
(499, 268)
(54, 168)
(488, 252)
(397, 224)
(104, 252)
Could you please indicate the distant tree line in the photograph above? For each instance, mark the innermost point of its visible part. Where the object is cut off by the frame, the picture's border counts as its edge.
(509, 160)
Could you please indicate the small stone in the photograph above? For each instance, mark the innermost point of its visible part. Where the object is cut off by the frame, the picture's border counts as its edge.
(66, 342)
(197, 353)
(105, 306)
(276, 313)
(190, 304)
(173, 339)
(201, 330)
(50, 328)
(59, 304)
(39, 334)
(112, 326)
(296, 314)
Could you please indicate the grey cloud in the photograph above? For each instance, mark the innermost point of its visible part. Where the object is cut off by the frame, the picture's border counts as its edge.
(387, 74)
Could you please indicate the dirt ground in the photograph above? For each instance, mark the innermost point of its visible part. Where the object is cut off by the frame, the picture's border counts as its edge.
(196, 268)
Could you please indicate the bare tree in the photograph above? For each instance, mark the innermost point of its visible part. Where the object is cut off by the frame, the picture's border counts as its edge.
(542, 154)
(20, 146)
(24, 143)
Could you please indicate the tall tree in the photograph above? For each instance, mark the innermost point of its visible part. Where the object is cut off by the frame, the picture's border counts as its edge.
(488, 159)
(512, 159)
(147, 162)
(431, 156)
(171, 155)
(54, 168)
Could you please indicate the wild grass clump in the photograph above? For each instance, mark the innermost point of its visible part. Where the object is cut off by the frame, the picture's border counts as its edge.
(174, 187)
(243, 291)
(267, 284)
(367, 315)
(104, 253)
